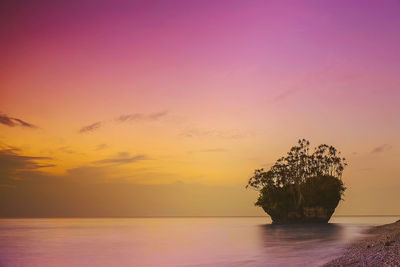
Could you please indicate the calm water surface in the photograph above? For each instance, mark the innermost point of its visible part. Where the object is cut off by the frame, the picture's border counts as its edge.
(239, 241)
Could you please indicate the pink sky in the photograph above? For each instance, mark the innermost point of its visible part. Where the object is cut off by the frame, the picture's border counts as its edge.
(236, 84)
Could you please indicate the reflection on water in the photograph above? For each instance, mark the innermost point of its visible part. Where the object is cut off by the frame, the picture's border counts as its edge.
(175, 241)
(301, 244)
(302, 232)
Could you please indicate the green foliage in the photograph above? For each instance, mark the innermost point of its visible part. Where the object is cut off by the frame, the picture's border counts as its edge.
(301, 179)
(278, 198)
(299, 165)
(323, 191)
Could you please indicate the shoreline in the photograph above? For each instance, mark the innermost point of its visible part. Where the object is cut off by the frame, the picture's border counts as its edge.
(380, 248)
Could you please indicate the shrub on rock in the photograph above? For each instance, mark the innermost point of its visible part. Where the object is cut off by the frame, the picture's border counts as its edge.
(303, 186)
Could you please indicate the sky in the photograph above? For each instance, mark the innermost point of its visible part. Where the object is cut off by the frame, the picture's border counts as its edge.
(165, 108)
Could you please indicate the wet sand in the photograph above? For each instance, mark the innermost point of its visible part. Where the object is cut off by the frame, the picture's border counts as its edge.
(380, 248)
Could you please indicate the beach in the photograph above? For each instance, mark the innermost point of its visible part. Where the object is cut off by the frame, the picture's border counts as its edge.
(380, 248)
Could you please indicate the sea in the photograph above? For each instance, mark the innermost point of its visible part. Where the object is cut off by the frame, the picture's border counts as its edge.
(176, 241)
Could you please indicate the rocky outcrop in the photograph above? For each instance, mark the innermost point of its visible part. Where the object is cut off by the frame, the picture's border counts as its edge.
(312, 201)
(316, 214)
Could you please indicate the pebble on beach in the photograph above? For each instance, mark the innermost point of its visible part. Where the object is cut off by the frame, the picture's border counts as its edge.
(380, 248)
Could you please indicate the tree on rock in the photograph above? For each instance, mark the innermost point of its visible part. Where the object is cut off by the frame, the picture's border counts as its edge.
(302, 186)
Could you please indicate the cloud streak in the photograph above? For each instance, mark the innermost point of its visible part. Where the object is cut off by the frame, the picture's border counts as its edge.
(224, 134)
(134, 117)
(306, 83)
(91, 127)
(381, 148)
(141, 117)
(101, 147)
(122, 158)
(12, 122)
(12, 164)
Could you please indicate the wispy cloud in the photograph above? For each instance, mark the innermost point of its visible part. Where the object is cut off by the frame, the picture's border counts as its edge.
(17, 162)
(12, 164)
(101, 147)
(121, 158)
(134, 117)
(67, 149)
(285, 94)
(12, 122)
(91, 127)
(305, 83)
(225, 134)
(381, 148)
(141, 116)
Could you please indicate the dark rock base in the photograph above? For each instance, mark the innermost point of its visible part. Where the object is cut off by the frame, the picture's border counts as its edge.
(301, 215)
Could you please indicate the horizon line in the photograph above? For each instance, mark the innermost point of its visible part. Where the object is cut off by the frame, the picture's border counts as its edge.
(181, 216)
